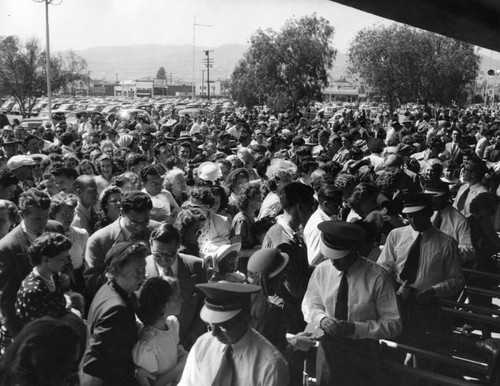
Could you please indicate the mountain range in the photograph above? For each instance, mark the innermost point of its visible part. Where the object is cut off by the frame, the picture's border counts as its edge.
(143, 61)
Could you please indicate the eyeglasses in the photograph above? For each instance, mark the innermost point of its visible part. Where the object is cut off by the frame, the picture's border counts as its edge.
(163, 254)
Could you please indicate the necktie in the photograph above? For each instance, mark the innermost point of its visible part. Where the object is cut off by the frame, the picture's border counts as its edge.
(136, 237)
(410, 269)
(342, 298)
(226, 371)
(168, 272)
(461, 200)
(438, 220)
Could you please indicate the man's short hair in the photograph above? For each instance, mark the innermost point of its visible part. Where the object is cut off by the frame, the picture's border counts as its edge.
(166, 233)
(82, 181)
(148, 170)
(135, 159)
(7, 178)
(60, 170)
(34, 198)
(296, 193)
(137, 201)
(329, 192)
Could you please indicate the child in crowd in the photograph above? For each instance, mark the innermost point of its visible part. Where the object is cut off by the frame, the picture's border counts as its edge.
(158, 354)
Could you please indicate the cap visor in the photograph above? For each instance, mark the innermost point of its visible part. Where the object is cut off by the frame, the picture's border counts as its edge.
(434, 193)
(413, 209)
(333, 254)
(214, 317)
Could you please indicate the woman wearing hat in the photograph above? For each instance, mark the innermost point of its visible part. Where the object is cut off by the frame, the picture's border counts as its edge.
(111, 320)
(267, 268)
(225, 264)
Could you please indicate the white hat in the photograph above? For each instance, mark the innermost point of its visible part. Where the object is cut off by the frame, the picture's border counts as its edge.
(18, 161)
(209, 171)
(223, 252)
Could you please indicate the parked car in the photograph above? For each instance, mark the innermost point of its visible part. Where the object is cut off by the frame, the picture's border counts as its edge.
(131, 114)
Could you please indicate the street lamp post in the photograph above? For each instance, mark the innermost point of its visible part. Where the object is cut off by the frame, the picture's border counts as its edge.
(194, 33)
(47, 37)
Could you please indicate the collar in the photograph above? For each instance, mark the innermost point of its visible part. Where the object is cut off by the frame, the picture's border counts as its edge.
(351, 269)
(425, 234)
(475, 186)
(240, 346)
(31, 235)
(120, 291)
(126, 233)
(286, 227)
(83, 210)
(174, 267)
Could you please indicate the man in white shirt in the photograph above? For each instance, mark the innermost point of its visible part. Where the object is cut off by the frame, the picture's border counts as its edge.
(329, 200)
(353, 301)
(448, 219)
(426, 265)
(165, 208)
(233, 353)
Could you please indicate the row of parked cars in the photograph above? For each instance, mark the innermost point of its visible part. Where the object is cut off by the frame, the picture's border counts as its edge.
(68, 108)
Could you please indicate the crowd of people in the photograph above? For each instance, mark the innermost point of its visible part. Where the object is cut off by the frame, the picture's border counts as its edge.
(121, 242)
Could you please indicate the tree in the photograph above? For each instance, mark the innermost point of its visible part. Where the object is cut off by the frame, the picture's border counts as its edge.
(285, 69)
(23, 70)
(409, 65)
(162, 73)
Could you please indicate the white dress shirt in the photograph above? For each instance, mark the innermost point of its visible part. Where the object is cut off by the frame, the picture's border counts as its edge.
(455, 225)
(474, 191)
(372, 304)
(439, 266)
(312, 236)
(257, 362)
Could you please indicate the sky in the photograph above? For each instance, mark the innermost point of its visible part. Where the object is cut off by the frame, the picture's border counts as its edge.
(81, 24)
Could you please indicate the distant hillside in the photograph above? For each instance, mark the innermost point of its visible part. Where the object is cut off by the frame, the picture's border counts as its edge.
(139, 61)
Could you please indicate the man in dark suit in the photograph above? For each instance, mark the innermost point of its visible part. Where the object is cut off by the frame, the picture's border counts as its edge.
(454, 148)
(188, 270)
(34, 207)
(133, 225)
(492, 152)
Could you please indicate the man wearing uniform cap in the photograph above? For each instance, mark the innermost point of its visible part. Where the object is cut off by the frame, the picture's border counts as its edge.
(425, 264)
(233, 353)
(353, 301)
(448, 219)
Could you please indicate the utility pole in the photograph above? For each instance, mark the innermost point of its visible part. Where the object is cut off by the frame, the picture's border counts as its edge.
(194, 40)
(88, 91)
(209, 63)
(202, 82)
(47, 38)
